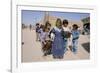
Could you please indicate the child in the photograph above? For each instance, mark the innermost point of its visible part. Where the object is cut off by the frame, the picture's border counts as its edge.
(66, 33)
(48, 25)
(47, 44)
(75, 37)
(57, 44)
(45, 40)
(37, 31)
(41, 33)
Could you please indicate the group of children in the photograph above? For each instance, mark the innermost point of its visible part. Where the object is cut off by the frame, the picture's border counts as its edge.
(55, 40)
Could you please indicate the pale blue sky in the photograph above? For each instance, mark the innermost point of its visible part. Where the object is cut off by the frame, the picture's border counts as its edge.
(32, 17)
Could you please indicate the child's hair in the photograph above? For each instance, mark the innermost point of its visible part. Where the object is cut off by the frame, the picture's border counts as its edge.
(42, 27)
(47, 24)
(65, 21)
(75, 26)
(37, 24)
(58, 20)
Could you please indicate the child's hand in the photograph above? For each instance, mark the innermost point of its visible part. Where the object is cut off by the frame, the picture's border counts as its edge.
(65, 38)
(75, 38)
(44, 42)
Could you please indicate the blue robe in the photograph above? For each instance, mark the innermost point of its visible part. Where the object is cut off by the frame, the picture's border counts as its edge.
(58, 43)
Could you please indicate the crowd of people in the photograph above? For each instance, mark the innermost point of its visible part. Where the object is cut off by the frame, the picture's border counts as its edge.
(55, 40)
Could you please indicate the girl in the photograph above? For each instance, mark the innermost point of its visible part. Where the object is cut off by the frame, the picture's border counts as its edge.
(48, 25)
(75, 37)
(66, 33)
(47, 43)
(58, 42)
(45, 40)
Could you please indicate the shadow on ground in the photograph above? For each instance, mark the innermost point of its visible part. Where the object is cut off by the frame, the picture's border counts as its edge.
(86, 46)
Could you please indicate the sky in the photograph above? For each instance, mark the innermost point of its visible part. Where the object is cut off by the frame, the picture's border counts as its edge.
(33, 17)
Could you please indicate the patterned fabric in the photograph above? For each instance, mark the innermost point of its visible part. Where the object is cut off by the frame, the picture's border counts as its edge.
(58, 43)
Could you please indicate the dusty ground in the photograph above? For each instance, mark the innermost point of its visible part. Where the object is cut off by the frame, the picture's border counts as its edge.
(31, 50)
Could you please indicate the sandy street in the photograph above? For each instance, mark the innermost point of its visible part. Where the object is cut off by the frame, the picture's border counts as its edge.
(31, 49)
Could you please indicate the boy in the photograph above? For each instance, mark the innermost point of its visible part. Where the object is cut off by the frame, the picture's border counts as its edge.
(75, 37)
(37, 31)
(66, 33)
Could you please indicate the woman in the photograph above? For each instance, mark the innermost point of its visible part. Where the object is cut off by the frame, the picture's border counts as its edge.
(58, 42)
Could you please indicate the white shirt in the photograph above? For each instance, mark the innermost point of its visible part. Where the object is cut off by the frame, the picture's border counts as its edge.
(66, 29)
